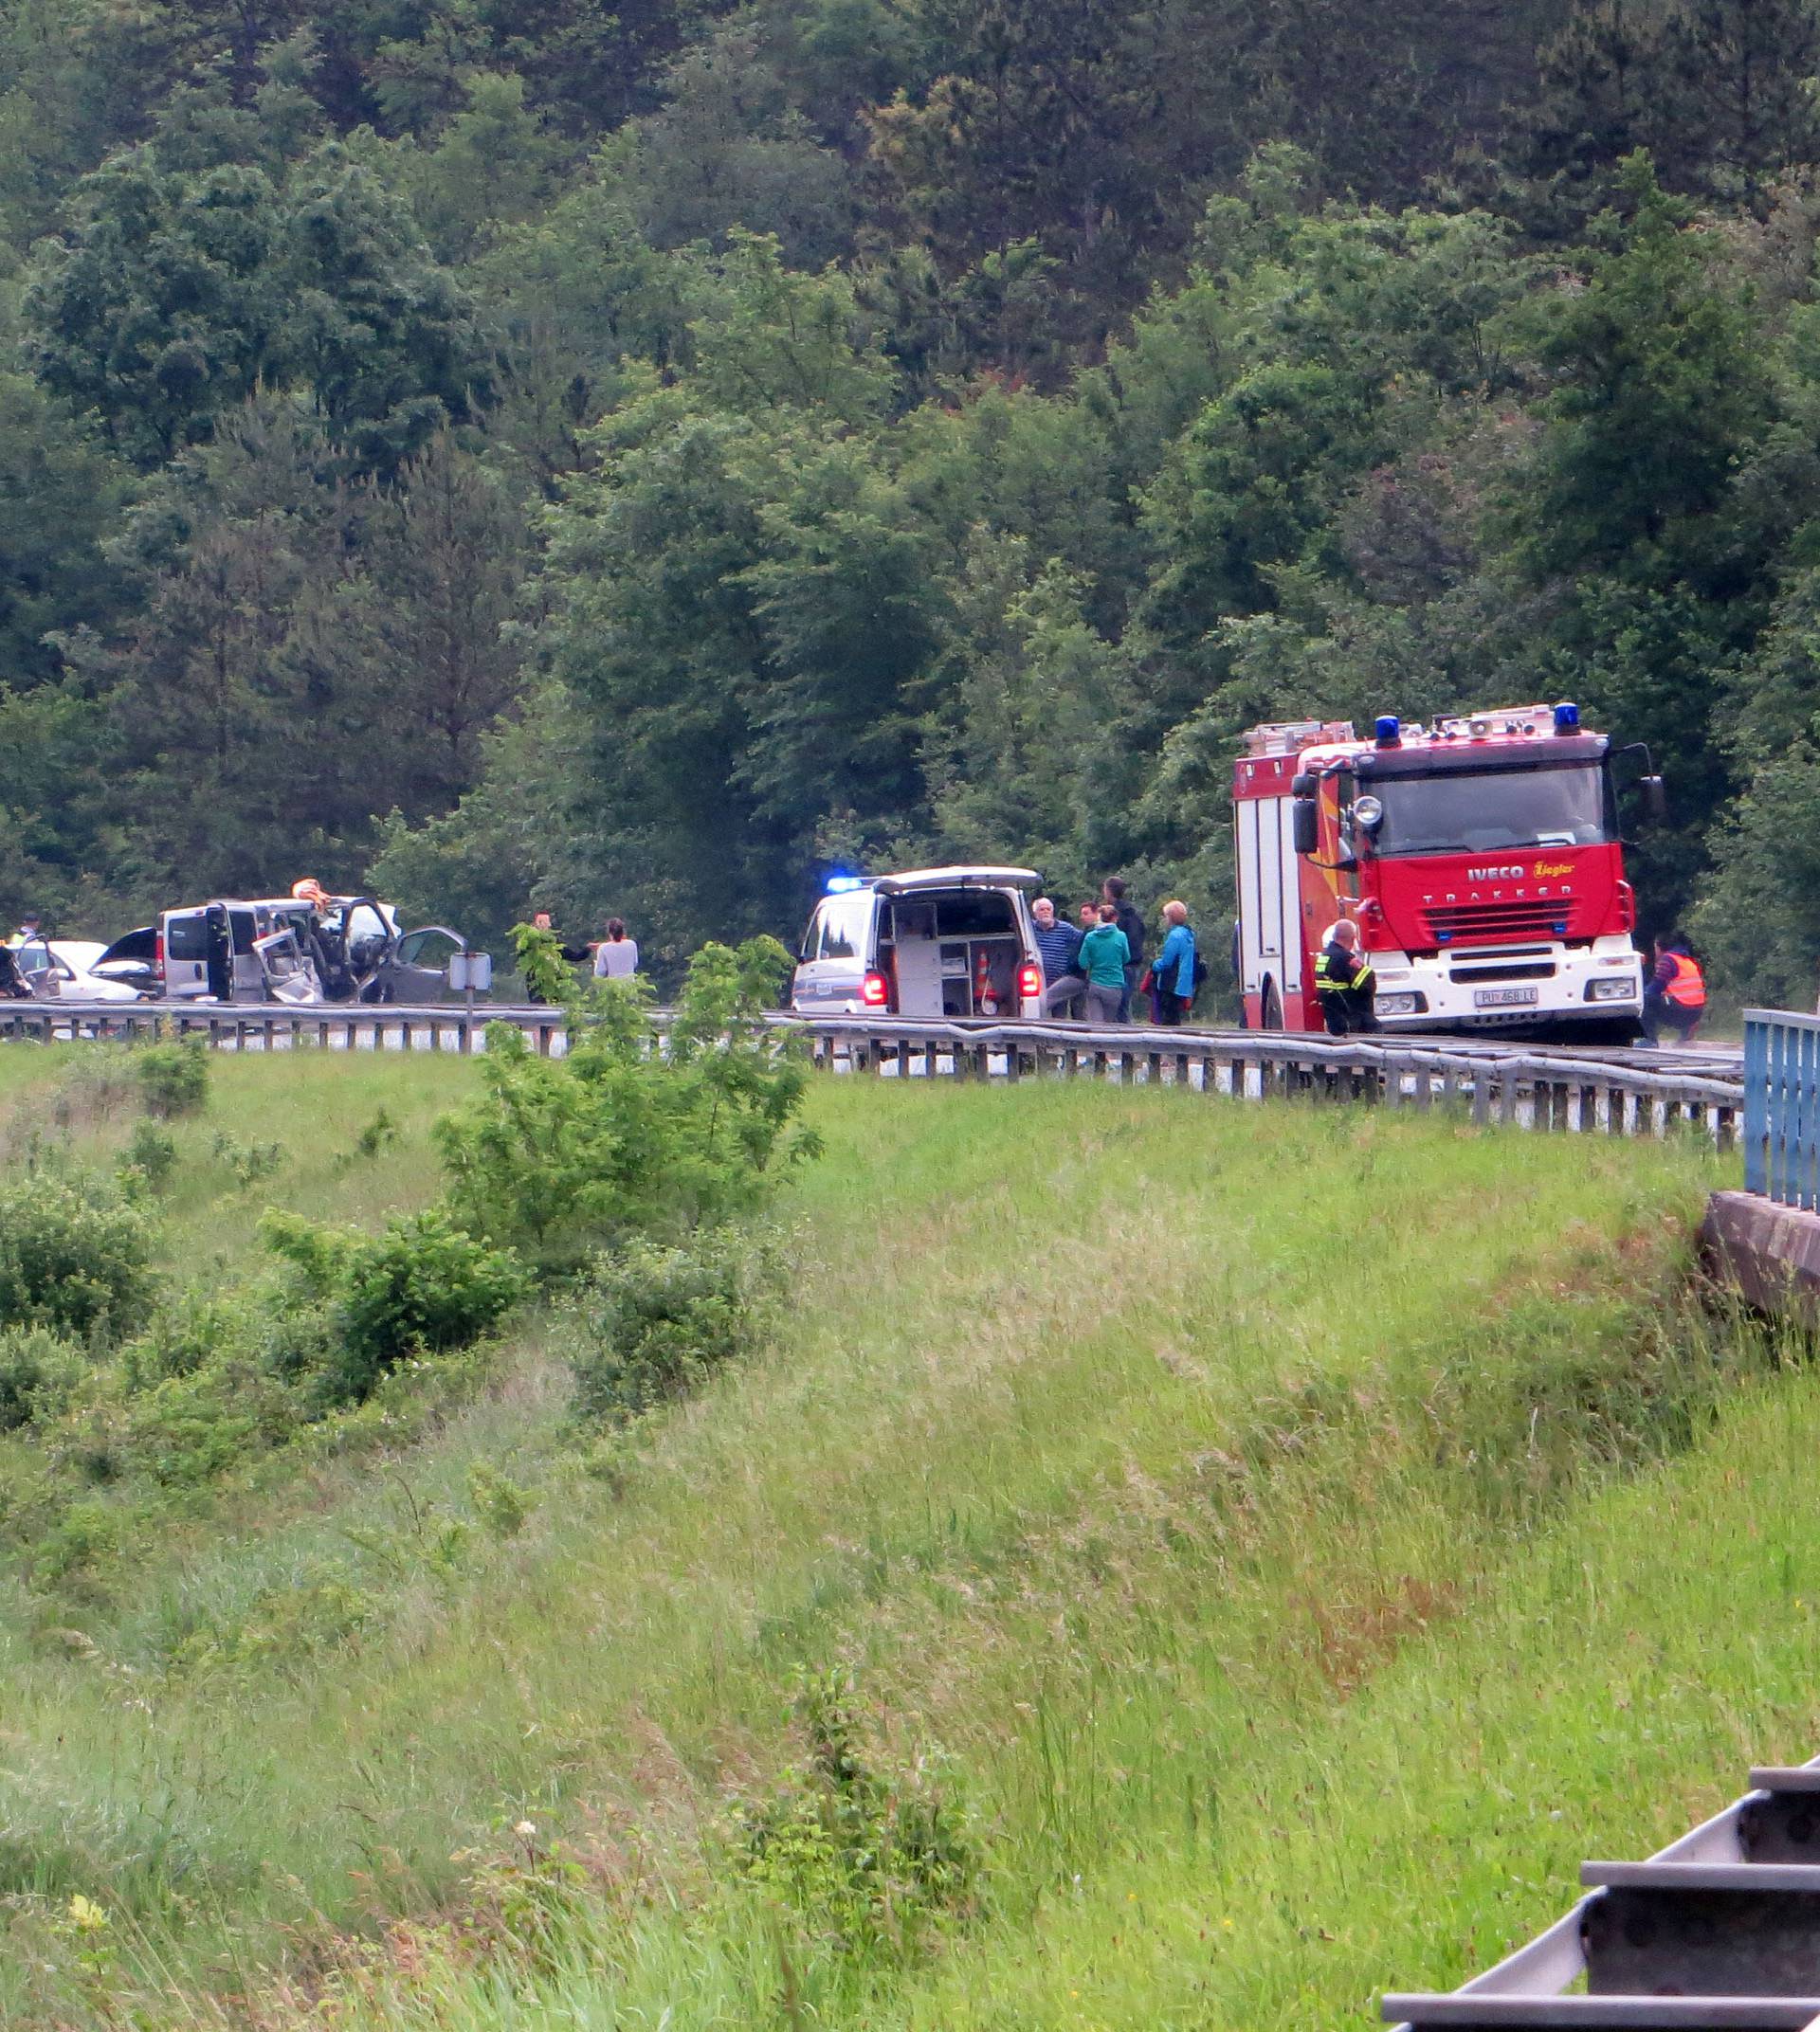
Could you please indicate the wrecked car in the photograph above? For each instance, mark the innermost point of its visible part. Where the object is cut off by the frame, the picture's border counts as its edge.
(309, 946)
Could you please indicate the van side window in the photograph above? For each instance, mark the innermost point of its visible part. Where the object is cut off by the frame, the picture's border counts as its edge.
(187, 935)
(846, 920)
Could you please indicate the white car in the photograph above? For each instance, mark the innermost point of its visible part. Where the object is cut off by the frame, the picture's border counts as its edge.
(59, 968)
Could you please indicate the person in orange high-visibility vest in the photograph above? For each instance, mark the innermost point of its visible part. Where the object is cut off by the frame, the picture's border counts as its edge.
(1674, 997)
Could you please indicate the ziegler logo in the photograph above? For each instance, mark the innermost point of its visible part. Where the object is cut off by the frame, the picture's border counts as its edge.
(1493, 875)
(1554, 867)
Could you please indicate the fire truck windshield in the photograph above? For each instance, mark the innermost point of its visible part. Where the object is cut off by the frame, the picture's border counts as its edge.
(1481, 812)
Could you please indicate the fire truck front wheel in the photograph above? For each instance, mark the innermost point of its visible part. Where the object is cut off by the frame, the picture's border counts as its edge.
(1272, 1019)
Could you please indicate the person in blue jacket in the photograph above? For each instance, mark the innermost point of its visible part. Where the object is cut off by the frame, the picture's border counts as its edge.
(1172, 975)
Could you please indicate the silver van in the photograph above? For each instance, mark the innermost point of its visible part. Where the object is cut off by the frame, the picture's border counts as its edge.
(930, 942)
(238, 952)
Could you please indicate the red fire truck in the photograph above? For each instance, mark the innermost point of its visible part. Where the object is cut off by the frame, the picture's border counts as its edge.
(1480, 858)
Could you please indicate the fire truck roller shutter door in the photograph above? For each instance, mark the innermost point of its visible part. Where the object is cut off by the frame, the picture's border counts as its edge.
(1288, 901)
(1250, 894)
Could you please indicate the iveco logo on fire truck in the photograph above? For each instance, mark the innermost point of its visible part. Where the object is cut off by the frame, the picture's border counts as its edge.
(1493, 875)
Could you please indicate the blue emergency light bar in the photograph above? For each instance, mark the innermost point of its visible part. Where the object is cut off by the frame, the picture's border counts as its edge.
(1566, 717)
(843, 884)
(1390, 731)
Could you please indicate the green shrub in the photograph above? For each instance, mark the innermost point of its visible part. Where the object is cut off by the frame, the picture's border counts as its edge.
(378, 1134)
(189, 1430)
(95, 1086)
(502, 1504)
(75, 1255)
(422, 1286)
(152, 1152)
(193, 1329)
(861, 1857)
(88, 1536)
(174, 1079)
(541, 966)
(248, 1161)
(38, 1373)
(630, 1134)
(655, 1321)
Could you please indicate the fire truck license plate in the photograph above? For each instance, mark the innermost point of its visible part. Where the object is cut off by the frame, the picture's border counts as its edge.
(1504, 998)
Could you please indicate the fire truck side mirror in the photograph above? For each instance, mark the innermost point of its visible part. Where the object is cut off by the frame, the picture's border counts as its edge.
(1307, 824)
(1656, 799)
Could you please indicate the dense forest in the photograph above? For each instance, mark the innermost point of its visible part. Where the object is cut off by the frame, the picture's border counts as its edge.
(636, 460)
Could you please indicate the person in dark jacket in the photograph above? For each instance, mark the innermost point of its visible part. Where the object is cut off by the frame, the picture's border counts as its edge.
(1058, 946)
(1132, 925)
(1172, 979)
(1344, 980)
(1674, 995)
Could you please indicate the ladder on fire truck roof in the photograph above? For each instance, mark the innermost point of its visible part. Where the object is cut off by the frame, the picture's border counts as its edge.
(1718, 1933)
(1286, 736)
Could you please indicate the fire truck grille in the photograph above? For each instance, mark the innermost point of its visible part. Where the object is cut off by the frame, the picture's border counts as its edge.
(1530, 917)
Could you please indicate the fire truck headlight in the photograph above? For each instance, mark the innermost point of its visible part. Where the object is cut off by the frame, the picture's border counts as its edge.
(1612, 991)
(1399, 1005)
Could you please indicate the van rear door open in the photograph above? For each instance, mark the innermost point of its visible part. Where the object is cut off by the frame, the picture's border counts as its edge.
(954, 948)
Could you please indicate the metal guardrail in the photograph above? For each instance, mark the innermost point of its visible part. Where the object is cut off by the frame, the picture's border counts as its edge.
(1718, 1931)
(277, 1026)
(1505, 1083)
(1782, 1106)
(1582, 1090)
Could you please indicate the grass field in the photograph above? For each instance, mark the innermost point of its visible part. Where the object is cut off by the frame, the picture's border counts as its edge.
(1242, 1513)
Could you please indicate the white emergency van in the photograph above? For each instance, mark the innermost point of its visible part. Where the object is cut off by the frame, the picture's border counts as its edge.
(956, 942)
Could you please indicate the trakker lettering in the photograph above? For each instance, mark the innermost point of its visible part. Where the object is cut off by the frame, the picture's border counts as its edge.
(1478, 859)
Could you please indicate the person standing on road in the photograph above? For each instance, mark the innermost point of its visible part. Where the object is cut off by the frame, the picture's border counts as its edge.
(28, 930)
(1345, 983)
(1172, 979)
(616, 957)
(1674, 996)
(1058, 946)
(1131, 926)
(1105, 962)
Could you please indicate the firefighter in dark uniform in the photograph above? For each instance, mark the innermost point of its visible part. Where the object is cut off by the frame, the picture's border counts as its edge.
(1344, 980)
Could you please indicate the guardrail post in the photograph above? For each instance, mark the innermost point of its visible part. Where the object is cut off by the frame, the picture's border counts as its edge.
(1481, 1097)
(1757, 1098)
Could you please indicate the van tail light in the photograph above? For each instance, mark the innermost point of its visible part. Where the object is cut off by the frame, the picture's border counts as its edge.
(1030, 981)
(157, 956)
(873, 994)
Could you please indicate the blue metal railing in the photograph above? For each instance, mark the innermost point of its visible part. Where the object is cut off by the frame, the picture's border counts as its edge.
(1782, 1106)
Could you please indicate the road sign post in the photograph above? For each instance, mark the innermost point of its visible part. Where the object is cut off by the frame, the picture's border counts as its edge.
(472, 973)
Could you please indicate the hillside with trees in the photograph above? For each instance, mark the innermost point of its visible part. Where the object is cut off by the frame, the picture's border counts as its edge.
(505, 448)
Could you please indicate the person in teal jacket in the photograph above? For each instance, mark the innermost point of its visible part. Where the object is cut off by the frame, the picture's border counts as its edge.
(1104, 956)
(1172, 979)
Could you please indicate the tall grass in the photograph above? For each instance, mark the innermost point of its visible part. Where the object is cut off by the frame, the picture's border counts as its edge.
(1136, 1449)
